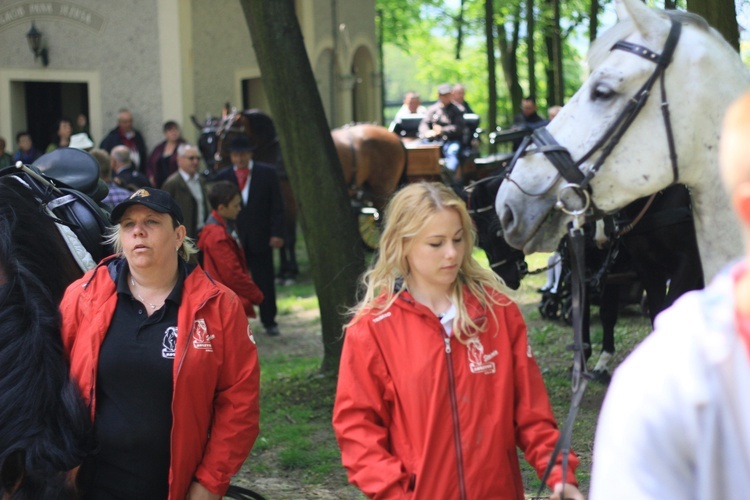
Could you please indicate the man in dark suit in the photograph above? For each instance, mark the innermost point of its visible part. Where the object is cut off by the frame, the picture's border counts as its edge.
(188, 188)
(260, 223)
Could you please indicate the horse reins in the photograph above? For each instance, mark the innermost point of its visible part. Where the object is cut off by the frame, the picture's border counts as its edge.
(579, 183)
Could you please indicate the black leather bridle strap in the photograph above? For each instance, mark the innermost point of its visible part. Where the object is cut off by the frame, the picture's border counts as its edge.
(558, 155)
(579, 374)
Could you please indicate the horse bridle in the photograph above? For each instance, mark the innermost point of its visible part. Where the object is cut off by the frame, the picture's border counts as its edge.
(562, 160)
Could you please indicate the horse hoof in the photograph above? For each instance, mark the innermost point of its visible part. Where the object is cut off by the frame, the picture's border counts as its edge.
(601, 376)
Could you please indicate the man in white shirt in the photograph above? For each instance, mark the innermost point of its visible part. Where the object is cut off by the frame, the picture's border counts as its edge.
(188, 188)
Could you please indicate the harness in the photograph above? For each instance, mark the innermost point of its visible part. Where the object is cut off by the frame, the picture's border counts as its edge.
(78, 218)
(580, 184)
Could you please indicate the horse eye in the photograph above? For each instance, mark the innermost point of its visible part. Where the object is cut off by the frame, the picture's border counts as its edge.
(601, 91)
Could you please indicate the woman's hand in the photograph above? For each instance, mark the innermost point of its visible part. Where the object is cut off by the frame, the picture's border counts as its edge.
(199, 492)
(571, 493)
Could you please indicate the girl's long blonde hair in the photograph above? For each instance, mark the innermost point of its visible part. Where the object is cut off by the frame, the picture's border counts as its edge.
(405, 216)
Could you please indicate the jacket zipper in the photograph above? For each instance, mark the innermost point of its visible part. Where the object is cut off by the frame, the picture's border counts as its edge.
(454, 412)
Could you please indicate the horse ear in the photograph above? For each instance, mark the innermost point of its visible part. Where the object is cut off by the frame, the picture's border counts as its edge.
(648, 23)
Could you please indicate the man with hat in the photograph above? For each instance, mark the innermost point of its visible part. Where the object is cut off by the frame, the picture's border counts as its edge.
(445, 121)
(260, 223)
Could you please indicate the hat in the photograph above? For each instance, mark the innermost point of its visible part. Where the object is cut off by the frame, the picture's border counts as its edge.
(155, 199)
(240, 145)
(444, 88)
(81, 141)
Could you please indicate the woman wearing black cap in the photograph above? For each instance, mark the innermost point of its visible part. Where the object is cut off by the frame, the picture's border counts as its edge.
(165, 360)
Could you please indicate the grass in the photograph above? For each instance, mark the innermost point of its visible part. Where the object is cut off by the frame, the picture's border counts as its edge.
(297, 444)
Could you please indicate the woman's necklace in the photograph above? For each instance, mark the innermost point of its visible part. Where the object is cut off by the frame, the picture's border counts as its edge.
(140, 297)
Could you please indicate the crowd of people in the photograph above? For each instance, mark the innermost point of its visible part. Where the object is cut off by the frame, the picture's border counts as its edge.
(438, 384)
(175, 166)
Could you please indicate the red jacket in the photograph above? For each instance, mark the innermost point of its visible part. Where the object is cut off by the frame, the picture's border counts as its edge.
(224, 260)
(215, 397)
(421, 415)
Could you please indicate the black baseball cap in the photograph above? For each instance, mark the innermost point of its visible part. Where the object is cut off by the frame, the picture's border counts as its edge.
(155, 199)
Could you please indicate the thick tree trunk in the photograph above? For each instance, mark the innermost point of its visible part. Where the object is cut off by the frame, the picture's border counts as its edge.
(720, 14)
(530, 53)
(336, 258)
(489, 24)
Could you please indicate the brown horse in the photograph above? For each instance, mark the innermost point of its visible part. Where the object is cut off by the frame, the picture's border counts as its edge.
(373, 161)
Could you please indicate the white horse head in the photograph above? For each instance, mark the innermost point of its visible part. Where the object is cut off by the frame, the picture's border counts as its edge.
(705, 75)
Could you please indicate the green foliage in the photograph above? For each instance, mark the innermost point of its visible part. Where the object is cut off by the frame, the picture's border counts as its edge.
(420, 51)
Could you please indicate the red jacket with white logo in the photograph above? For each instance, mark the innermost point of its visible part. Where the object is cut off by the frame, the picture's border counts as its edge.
(215, 378)
(421, 415)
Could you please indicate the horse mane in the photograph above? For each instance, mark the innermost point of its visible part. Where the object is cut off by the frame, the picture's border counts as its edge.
(603, 44)
(44, 426)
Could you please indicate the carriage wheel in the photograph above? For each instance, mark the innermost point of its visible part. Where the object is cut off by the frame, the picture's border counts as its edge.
(369, 228)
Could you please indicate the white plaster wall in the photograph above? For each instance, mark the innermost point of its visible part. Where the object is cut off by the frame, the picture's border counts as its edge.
(124, 52)
(222, 50)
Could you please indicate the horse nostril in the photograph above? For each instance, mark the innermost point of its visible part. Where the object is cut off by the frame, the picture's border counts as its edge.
(506, 218)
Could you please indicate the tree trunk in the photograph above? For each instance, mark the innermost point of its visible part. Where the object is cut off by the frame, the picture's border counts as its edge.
(670, 4)
(593, 20)
(509, 61)
(720, 14)
(460, 31)
(559, 96)
(549, 45)
(530, 57)
(489, 25)
(333, 245)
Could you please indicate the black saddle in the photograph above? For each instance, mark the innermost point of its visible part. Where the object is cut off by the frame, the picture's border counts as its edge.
(69, 207)
(74, 168)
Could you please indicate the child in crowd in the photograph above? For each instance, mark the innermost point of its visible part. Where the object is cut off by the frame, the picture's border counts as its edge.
(438, 385)
(223, 257)
(25, 152)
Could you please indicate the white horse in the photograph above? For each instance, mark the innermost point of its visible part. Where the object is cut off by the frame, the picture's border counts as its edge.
(705, 75)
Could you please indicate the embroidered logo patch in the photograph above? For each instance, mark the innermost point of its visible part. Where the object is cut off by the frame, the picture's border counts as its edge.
(169, 343)
(478, 362)
(381, 317)
(201, 337)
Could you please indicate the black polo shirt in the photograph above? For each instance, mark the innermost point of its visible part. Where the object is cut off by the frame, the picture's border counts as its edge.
(133, 419)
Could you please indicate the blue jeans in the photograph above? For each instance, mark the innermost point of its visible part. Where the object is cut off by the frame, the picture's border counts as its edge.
(451, 151)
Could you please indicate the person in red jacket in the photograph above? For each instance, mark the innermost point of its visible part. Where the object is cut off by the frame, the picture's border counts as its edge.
(165, 361)
(223, 257)
(437, 384)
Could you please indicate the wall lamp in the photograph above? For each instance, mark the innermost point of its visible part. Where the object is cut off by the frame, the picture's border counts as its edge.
(34, 37)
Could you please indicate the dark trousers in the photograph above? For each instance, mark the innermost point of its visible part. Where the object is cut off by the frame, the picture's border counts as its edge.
(261, 268)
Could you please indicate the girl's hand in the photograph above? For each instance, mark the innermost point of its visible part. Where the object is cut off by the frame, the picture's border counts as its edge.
(571, 493)
(199, 492)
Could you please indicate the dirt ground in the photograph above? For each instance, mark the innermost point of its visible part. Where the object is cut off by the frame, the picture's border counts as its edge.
(300, 336)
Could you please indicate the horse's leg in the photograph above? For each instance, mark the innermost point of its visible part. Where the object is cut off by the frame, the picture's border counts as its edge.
(608, 312)
(688, 273)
